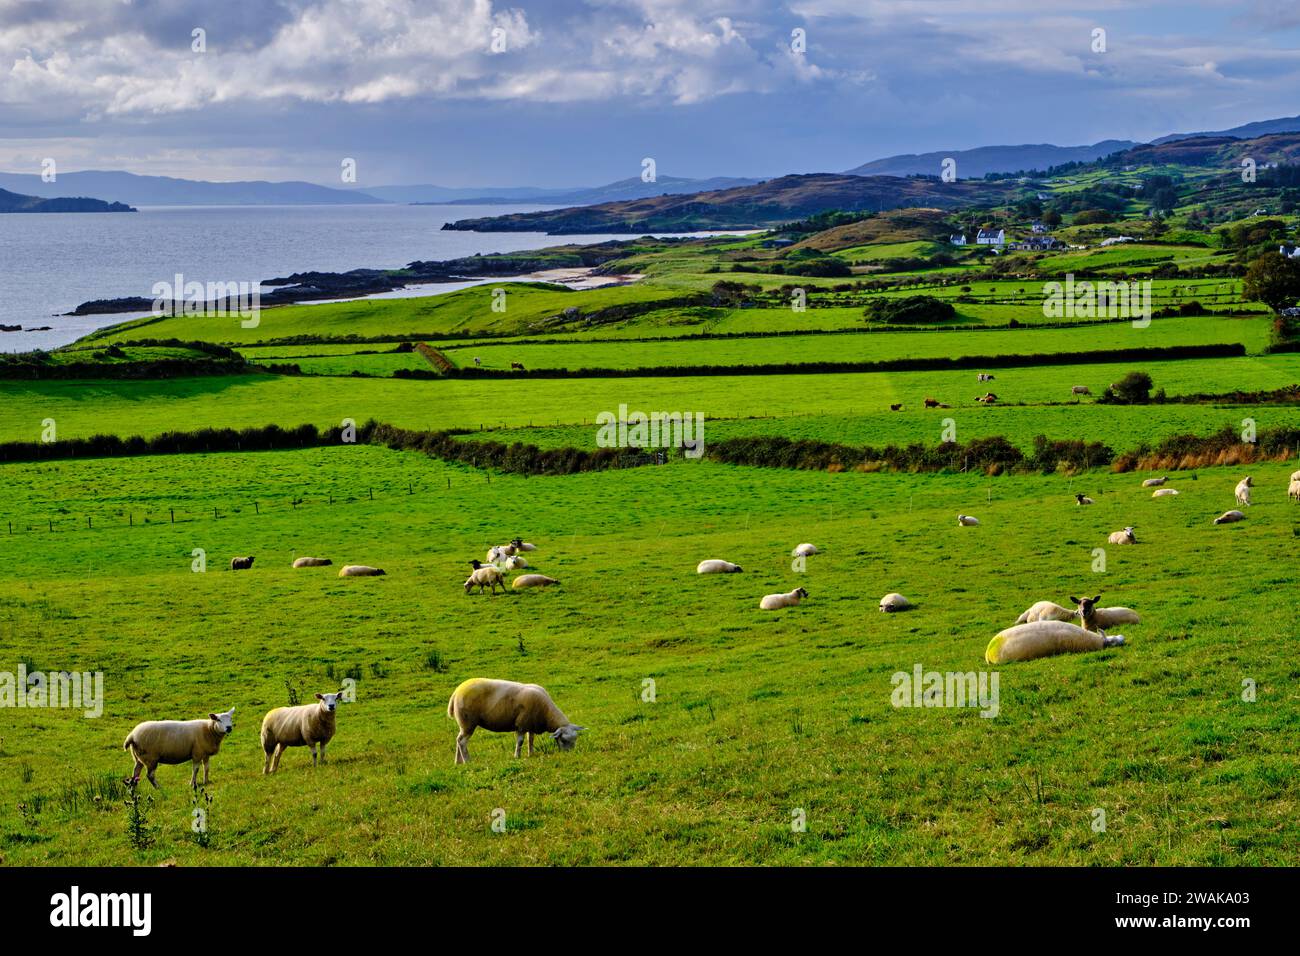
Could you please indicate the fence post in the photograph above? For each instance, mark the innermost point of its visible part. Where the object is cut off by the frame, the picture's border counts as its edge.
(256, 508)
(372, 494)
(172, 512)
(214, 513)
(88, 522)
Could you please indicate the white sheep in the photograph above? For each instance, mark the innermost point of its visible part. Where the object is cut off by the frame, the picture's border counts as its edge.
(1293, 490)
(773, 602)
(175, 741)
(1295, 476)
(486, 576)
(1094, 618)
(1164, 493)
(1045, 611)
(502, 706)
(516, 562)
(1082, 500)
(893, 602)
(532, 581)
(305, 725)
(499, 553)
(1025, 642)
(1154, 482)
(1228, 517)
(312, 562)
(1123, 537)
(359, 571)
(968, 521)
(520, 544)
(717, 566)
(804, 550)
(1243, 492)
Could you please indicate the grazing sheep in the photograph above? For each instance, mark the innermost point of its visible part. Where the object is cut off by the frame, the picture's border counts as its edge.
(486, 576)
(1295, 476)
(1082, 500)
(502, 706)
(1102, 619)
(1228, 517)
(1154, 482)
(1123, 537)
(774, 602)
(176, 741)
(1080, 390)
(896, 408)
(519, 544)
(894, 602)
(804, 550)
(1045, 611)
(303, 726)
(1025, 642)
(717, 566)
(359, 571)
(241, 564)
(1164, 493)
(967, 521)
(516, 562)
(1243, 492)
(984, 377)
(532, 581)
(931, 403)
(312, 562)
(1293, 490)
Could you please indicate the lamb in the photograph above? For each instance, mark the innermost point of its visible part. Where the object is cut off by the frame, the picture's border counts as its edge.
(1228, 517)
(1025, 642)
(1080, 390)
(532, 581)
(717, 566)
(520, 544)
(312, 562)
(1293, 490)
(967, 521)
(774, 602)
(895, 602)
(804, 550)
(1045, 611)
(1123, 537)
(303, 726)
(1154, 482)
(486, 576)
(359, 571)
(1164, 493)
(502, 706)
(241, 564)
(1243, 492)
(516, 562)
(1102, 619)
(176, 741)
(1082, 500)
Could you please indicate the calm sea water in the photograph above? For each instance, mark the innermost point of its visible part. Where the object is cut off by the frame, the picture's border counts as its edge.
(52, 262)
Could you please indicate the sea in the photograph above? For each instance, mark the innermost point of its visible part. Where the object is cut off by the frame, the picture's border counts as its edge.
(52, 262)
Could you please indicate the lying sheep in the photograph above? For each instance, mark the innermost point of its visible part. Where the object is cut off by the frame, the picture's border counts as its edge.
(967, 521)
(241, 564)
(515, 562)
(894, 602)
(499, 553)
(303, 726)
(1293, 490)
(176, 741)
(502, 706)
(1045, 611)
(532, 581)
(804, 550)
(485, 576)
(1243, 492)
(1093, 618)
(1082, 500)
(520, 544)
(717, 566)
(359, 571)
(1228, 517)
(1154, 482)
(773, 602)
(312, 562)
(1164, 493)
(1123, 537)
(1025, 642)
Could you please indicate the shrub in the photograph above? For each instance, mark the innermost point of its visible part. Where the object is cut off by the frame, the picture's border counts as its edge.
(911, 310)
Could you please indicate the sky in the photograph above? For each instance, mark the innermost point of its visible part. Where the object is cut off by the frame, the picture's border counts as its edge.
(559, 93)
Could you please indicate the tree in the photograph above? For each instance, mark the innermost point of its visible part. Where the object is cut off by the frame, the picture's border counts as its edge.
(1133, 389)
(1051, 218)
(1274, 280)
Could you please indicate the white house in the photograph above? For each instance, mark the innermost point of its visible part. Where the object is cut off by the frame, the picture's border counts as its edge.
(958, 240)
(1037, 226)
(991, 237)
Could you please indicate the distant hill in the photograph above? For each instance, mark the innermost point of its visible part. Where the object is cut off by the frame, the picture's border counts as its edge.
(1220, 150)
(1287, 124)
(166, 191)
(975, 163)
(14, 202)
(624, 189)
(429, 195)
(753, 206)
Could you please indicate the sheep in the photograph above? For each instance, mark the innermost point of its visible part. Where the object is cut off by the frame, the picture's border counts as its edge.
(1080, 390)
(502, 706)
(312, 562)
(1243, 492)
(896, 408)
(303, 726)
(1045, 611)
(532, 581)
(359, 571)
(1228, 517)
(895, 602)
(486, 576)
(984, 377)
(1082, 500)
(967, 521)
(499, 553)
(1123, 537)
(516, 562)
(1154, 482)
(774, 602)
(1164, 493)
(717, 566)
(1025, 642)
(175, 741)
(1102, 619)
(241, 564)
(1293, 490)
(1295, 476)
(804, 550)
(932, 403)
(519, 544)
